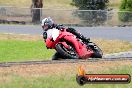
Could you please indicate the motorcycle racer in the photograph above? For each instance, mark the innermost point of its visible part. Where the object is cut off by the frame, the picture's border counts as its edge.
(48, 25)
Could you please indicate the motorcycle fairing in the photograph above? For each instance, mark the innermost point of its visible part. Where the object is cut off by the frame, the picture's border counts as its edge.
(80, 48)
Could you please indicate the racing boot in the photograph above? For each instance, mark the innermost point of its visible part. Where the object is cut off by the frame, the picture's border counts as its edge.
(56, 56)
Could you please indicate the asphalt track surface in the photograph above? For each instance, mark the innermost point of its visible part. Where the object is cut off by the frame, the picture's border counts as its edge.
(9, 64)
(122, 56)
(112, 33)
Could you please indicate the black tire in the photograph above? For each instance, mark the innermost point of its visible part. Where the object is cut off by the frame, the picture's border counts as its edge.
(56, 56)
(97, 51)
(64, 53)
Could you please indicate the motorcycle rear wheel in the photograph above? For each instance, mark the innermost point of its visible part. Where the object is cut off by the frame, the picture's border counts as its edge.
(65, 53)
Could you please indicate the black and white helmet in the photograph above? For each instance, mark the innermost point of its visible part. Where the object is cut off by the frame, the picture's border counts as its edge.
(47, 23)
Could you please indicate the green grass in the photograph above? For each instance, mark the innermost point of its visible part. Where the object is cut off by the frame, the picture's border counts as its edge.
(19, 50)
(61, 81)
(114, 4)
(113, 46)
(56, 4)
(16, 50)
(21, 3)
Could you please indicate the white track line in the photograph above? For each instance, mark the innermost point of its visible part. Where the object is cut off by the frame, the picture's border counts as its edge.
(127, 54)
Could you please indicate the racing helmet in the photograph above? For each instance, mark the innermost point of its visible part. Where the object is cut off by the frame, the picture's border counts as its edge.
(47, 23)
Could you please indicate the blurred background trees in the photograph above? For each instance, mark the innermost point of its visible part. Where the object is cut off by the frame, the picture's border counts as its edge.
(126, 5)
(90, 4)
(92, 17)
(36, 11)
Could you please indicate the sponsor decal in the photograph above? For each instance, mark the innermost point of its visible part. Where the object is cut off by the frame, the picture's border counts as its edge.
(83, 78)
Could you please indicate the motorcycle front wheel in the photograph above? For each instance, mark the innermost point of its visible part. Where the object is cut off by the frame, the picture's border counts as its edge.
(66, 53)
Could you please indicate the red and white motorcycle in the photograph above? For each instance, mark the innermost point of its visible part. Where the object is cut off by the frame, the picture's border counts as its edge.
(69, 46)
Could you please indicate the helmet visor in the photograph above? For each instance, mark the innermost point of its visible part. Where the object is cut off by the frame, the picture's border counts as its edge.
(45, 27)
